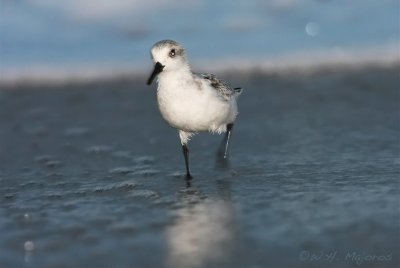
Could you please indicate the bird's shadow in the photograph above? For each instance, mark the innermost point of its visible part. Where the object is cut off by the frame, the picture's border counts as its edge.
(222, 183)
(188, 181)
(222, 163)
(206, 215)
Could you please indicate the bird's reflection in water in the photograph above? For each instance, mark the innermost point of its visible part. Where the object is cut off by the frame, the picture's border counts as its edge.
(204, 230)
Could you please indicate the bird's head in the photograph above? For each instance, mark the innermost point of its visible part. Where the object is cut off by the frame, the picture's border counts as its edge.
(167, 55)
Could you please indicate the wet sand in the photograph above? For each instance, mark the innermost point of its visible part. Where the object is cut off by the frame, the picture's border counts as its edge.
(91, 176)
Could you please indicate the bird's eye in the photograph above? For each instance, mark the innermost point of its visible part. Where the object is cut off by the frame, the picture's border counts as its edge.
(172, 53)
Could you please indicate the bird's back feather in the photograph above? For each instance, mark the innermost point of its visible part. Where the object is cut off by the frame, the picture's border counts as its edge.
(223, 88)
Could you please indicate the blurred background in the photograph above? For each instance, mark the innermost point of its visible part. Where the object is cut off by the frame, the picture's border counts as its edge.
(92, 176)
(46, 38)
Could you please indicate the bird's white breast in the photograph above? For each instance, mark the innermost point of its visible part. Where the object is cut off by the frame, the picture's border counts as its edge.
(190, 104)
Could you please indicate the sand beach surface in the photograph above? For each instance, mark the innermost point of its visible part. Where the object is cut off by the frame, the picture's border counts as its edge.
(91, 176)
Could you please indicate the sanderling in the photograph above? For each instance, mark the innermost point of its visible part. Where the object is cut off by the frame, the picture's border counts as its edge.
(191, 102)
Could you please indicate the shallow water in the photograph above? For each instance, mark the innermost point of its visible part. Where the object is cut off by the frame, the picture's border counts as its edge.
(92, 177)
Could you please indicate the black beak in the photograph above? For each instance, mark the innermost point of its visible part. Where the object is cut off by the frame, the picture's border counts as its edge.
(157, 69)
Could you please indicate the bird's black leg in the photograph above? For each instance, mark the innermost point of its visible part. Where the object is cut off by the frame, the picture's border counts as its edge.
(186, 155)
(224, 146)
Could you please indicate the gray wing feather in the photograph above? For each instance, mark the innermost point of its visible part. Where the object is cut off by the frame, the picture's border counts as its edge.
(223, 88)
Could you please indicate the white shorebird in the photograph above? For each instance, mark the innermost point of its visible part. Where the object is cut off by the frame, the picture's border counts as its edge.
(190, 102)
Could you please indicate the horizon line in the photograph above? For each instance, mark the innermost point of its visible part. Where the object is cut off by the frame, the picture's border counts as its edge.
(300, 62)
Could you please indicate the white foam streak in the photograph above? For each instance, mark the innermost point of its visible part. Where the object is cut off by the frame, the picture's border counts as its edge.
(307, 61)
(311, 60)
